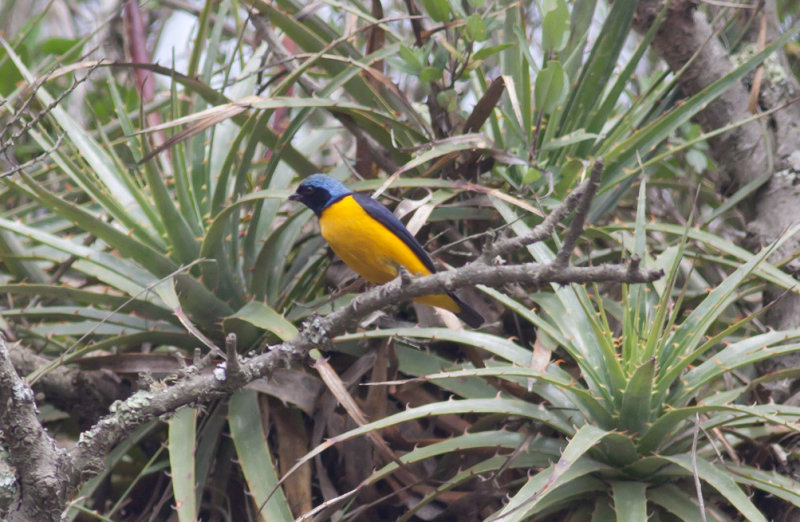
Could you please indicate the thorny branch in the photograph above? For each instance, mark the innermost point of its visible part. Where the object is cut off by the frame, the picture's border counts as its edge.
(35, 453)
(7, 140)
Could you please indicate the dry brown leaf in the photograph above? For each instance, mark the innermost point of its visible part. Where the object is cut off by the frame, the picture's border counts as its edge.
(292, 445)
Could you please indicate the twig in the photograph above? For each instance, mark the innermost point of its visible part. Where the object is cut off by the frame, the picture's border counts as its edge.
(41, 114)
(544, 229)
(697, 485)
(34, 161)
(380, 154)
(576, 227)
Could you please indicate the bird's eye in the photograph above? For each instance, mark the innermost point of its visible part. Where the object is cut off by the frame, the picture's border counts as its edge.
(305, 189)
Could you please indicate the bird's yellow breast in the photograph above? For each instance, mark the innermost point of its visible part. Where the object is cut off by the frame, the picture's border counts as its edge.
(366, 245)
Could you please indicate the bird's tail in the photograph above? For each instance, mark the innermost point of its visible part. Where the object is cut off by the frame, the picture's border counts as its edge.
(466, 313)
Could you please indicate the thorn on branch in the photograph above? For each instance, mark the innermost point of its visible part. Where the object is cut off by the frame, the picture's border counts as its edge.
(197, 357)
(231, 371)
(201, 360)
(405, 276)
(234, 369)
(637, 275)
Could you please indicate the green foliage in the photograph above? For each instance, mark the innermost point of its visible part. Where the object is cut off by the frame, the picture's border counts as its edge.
(120, 244)
(646, 392)
(551, 87)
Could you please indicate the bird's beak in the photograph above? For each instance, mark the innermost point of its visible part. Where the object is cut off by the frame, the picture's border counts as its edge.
(295, 197)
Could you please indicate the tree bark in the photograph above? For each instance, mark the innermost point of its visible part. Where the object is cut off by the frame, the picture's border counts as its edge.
(744, 154)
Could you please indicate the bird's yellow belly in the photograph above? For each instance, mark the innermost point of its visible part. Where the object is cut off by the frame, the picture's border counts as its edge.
(364, 244)
(372, 250)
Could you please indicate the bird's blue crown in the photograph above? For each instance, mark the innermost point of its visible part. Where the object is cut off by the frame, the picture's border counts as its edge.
(319, 191)
(334, 187)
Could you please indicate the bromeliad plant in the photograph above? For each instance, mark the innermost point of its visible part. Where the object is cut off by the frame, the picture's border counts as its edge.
(155, 256)
(657, 428)
(647, 424)
(123, 251)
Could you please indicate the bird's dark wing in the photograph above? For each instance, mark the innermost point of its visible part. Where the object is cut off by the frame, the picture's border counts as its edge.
(466, 313)
(384, 216)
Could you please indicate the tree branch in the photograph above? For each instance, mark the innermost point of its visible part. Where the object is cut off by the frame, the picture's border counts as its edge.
(45, 474)
(576, 228)
(143, 406)
(689, 43)
(546, 228)
(86, 394)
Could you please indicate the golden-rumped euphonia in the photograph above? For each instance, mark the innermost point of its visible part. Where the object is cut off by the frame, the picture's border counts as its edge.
(371, 240)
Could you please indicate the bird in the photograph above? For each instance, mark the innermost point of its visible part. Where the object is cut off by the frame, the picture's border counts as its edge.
(371, 240)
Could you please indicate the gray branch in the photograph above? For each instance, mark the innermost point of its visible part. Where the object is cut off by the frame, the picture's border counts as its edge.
(144, 406)
(45, 473)
(82, 393)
